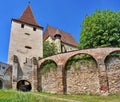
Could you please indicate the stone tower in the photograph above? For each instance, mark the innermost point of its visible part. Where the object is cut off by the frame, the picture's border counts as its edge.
(26, 38)
(25, 48)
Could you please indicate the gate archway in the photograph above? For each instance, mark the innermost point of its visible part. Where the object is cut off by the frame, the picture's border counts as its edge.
(1, 84)
(24, 85)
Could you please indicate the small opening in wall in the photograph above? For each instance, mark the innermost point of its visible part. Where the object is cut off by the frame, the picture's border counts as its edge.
(27, 34)
(3, 67)
(34, 29)
(28, 47)
(22, 25)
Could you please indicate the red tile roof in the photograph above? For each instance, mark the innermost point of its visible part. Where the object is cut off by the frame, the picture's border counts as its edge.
(28, 17)
(65, 37)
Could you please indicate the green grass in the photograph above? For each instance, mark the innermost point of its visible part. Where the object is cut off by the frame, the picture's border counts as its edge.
(88, 98)
(16, 96)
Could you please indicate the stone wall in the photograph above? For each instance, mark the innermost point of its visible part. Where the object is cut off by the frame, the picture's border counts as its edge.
(51, 81)
(8, 78)
(83, 79)
(5, 76)
(113, 73)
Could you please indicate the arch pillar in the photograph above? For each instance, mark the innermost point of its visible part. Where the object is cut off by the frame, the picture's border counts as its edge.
(103, 79)
(60, 84)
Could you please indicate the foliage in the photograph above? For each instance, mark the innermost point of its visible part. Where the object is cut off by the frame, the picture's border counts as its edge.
(101, 29)
(79, 58)
(49, 49)
(48, 66)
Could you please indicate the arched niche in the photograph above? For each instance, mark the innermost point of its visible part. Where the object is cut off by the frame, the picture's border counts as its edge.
(1, 84)
(47, 79)
(81, 74)
(47, 66)
(112, 63)
(24, 85)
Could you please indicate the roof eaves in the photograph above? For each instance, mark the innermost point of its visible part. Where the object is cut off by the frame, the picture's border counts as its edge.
(28, 23)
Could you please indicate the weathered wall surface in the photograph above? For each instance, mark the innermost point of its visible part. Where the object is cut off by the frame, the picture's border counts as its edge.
(22, 37)
(8, 78)
(5, 76)
(104, 79)
(52, 81)
(84, 79)
(113, 73)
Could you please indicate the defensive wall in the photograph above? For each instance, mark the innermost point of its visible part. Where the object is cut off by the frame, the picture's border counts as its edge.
(100, 77)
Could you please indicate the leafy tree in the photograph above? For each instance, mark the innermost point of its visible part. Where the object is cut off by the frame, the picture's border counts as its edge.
(49, 49)
(101, 29)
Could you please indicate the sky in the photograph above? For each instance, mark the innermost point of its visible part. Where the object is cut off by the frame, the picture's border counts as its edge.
(66, 15)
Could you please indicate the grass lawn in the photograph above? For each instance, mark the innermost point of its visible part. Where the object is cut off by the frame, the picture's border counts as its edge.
(88, 98)
(15, 96)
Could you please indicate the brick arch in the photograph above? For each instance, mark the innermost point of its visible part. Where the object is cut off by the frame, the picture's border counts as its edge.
(39, 74)
(65, 83)
(80, 53)
(118, 50)
(112, 67)
(47, 60)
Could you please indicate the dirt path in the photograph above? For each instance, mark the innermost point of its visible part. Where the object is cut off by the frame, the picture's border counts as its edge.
(55, 98)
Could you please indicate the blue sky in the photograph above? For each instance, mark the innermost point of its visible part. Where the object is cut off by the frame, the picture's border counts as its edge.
(63, 14)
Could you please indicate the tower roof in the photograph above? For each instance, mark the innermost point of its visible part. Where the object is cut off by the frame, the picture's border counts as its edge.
(28, 18)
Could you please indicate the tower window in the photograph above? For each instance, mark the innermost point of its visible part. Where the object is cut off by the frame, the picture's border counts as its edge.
(34, 29)
(28, 47)
(22, 25)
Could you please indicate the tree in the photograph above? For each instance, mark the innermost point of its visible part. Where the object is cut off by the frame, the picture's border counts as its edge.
(101, 29)
(49, 49)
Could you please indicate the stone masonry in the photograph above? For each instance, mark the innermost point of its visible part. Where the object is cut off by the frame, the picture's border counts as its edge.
(98, 80)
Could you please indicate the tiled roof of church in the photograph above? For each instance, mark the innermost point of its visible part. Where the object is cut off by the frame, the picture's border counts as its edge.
(65, 37)
(28, 17)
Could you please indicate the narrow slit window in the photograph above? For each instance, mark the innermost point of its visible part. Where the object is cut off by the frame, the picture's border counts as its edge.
(22, 25)
(27, 34)
(28, 47)
(34, 29)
